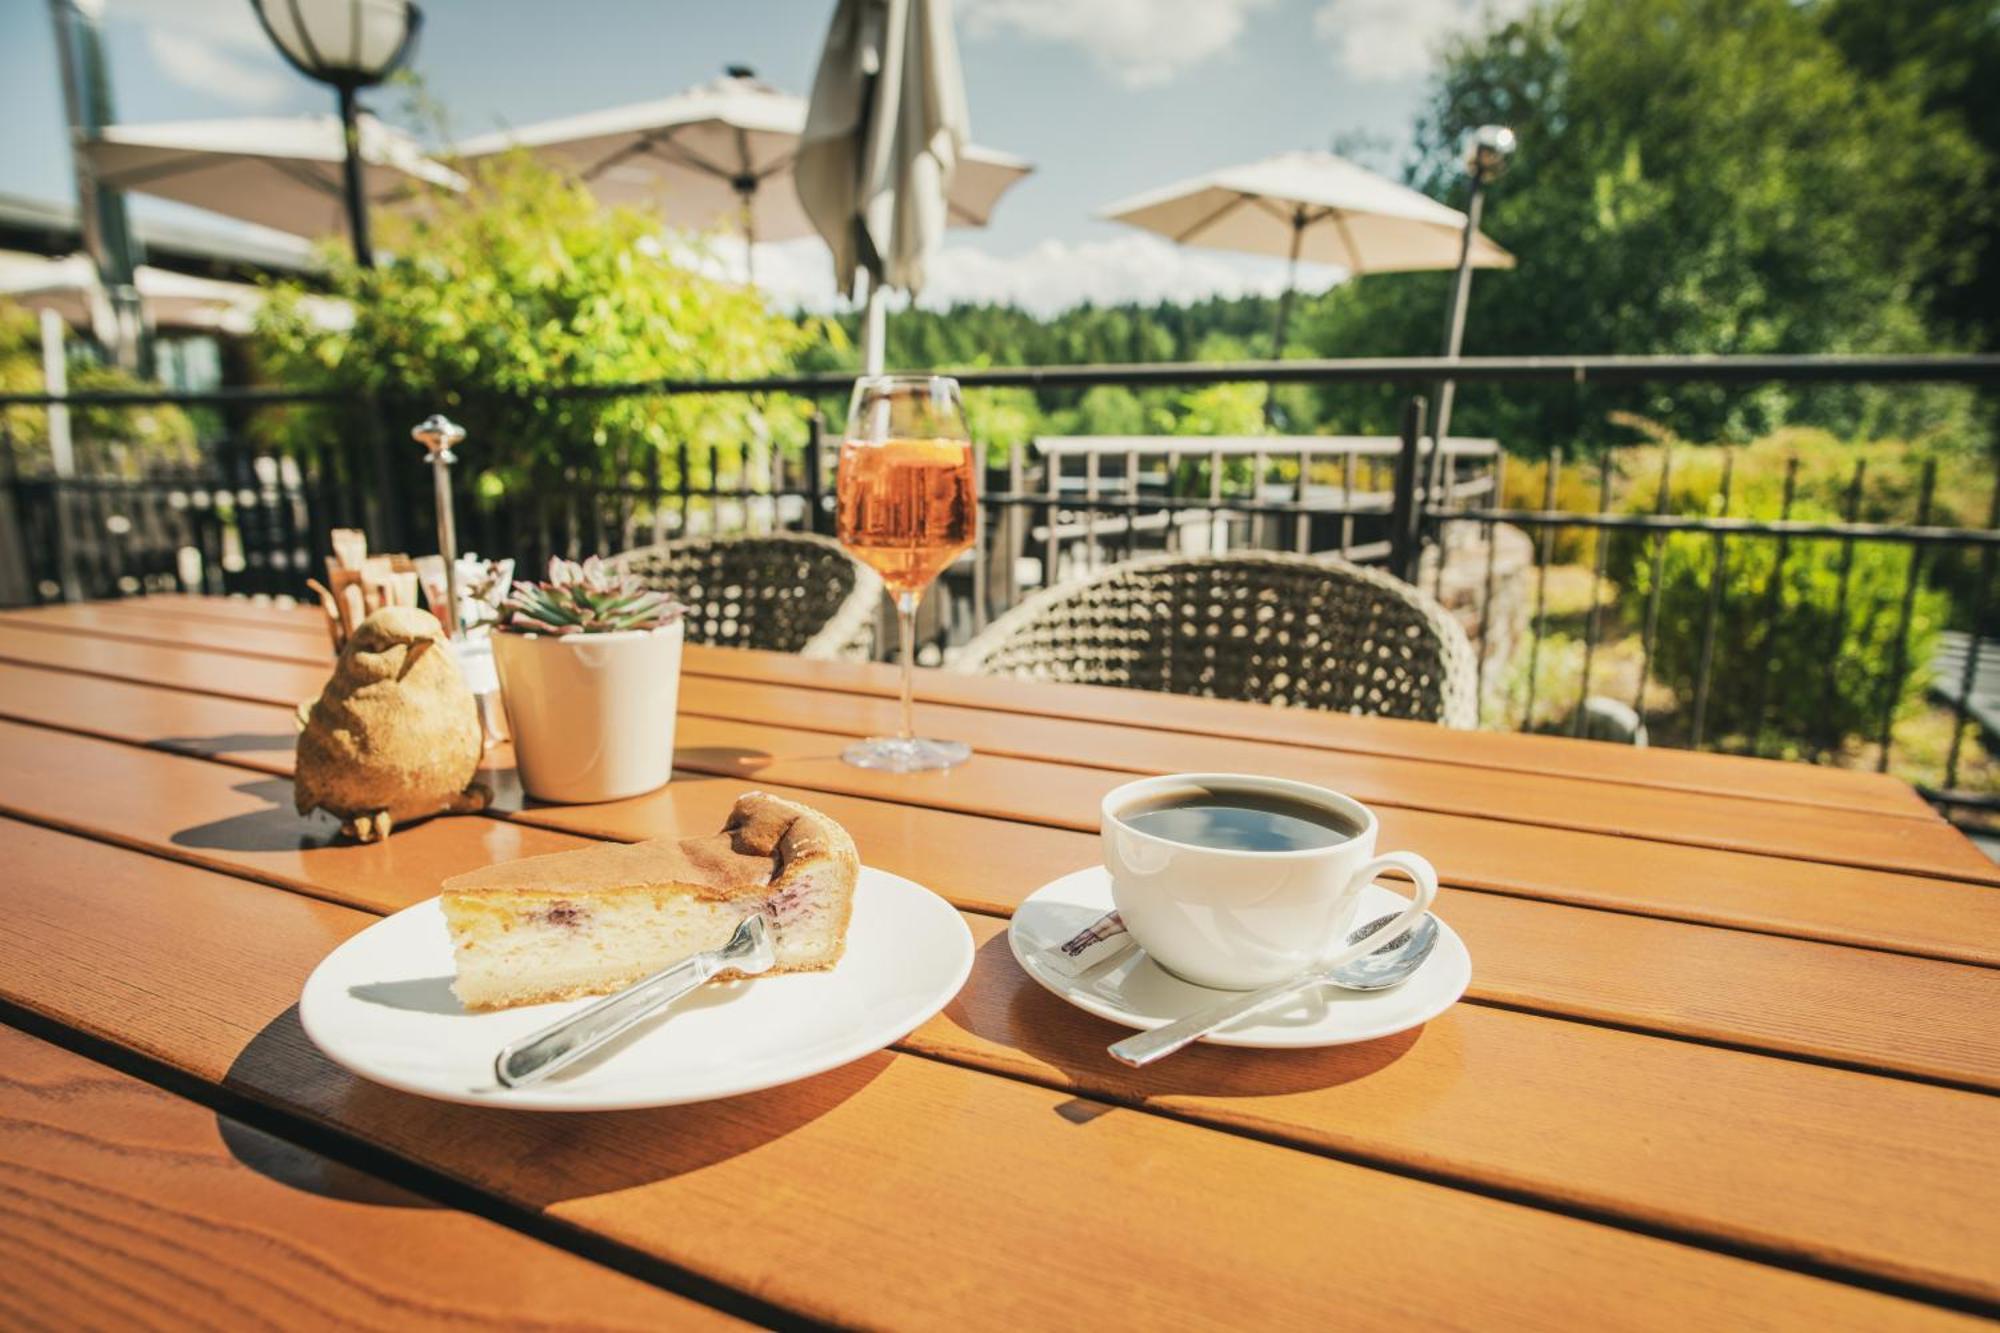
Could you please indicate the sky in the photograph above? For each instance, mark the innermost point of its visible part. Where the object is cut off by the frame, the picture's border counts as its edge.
(1107, 98)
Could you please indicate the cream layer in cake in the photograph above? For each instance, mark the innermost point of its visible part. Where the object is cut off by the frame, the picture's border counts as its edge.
(595, 920)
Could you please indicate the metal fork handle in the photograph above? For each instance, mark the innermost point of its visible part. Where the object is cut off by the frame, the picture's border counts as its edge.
(568, 1040)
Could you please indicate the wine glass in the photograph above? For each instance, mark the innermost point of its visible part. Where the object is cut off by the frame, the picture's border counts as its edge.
(908, 506)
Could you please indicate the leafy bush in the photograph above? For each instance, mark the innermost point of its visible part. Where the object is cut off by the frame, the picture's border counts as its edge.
(1821, 668)
(1525, 486)
(1892, 483)
(520, 285)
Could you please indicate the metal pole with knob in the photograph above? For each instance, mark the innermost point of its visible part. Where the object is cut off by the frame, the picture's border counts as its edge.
(1486, 157)
(438, 433)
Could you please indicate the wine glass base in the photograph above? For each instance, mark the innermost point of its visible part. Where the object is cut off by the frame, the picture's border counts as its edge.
(892, 754)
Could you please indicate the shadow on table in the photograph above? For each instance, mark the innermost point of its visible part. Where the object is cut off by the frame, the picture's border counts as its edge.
(724, 760)
(531, 1158)
(309, 1172)
(1000, 1003)
(242, 742)
(279, 829)
(701, 763)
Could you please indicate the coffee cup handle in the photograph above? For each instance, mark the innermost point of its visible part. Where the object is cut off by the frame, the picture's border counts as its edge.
(1426, 880)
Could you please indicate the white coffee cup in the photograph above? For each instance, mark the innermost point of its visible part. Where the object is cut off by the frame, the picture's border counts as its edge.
(1235, 919)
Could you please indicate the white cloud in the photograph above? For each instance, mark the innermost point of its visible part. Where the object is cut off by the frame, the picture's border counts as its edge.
(215, 47)
(1139, 42)
(230, 22)
(1388, 40)
(208, 67)
(1046, 279)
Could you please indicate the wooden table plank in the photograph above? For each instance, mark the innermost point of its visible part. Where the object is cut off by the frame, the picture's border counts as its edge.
(1064, 793)
(898, 1191)
(1067, 796)
(111, 623)
(1672, 770)
(1926, 917)
(1691, 770)
(125, 1206)
(1847, 1192)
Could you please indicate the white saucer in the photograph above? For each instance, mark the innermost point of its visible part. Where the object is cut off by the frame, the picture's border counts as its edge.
(381, 1005)
(1133, 990)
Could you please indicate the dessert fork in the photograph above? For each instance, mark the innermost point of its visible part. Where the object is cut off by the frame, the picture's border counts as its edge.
(535, 1057)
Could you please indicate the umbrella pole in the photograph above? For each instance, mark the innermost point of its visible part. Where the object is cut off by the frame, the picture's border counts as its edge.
(357, 202)
(745, 194)
(1285, 311)
(1291, 286)
(874, 327)
(1454, 329)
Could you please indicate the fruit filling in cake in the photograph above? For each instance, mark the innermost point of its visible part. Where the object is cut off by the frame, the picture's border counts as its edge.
(595, 920)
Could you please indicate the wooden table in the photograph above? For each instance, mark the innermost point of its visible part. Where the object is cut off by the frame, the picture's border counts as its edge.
(1729, 1059)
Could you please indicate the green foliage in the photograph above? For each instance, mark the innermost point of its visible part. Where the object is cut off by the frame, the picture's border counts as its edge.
(1821, 667)
(118, 440)
(1695, 176)
(1944, 53)
(1777, 638)
(523, 284)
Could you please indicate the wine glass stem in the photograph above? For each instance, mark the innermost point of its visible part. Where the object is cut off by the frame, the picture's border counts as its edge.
(906, 630)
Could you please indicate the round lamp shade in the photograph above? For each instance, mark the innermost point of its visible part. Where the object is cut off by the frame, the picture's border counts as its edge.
(347, 43)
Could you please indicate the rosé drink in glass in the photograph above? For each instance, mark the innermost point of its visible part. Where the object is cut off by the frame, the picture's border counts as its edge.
(908, 507)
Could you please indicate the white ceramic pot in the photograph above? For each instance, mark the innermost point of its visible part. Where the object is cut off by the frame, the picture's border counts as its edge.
(592, 715)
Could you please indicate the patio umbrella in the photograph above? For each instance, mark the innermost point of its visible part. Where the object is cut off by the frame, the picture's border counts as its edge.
(882, 146)
(69, 286)
(1313, 206)
(280, 172)
(717, 153)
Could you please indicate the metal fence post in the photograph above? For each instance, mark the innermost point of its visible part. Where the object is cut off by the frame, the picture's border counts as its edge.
(390, 520)
(1404, 517)
(816, 515)
(17, 581)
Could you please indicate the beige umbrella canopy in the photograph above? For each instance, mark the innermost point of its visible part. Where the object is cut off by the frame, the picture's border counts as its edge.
(1312, 206)
(70, 287)
(884, 146)
(279, 172)
(718, 154)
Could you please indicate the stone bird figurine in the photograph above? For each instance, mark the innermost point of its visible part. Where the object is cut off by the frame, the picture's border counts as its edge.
(395, 734)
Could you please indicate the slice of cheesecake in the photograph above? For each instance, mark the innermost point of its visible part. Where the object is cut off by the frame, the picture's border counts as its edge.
(595, 920)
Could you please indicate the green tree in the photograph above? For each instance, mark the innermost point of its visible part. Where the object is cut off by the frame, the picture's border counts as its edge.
(1946, 53)
(1695, 176)
(522, 285)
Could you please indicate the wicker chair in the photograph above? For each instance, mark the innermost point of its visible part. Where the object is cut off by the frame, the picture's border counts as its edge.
(791, 592)
(1312, 632)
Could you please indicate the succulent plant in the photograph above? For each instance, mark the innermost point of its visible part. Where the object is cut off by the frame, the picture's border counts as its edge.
(587, 598)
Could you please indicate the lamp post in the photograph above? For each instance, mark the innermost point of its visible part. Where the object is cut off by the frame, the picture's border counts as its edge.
(1486, 154)
(351, 45)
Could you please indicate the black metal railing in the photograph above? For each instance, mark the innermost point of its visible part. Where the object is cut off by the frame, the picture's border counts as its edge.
(1668, 636)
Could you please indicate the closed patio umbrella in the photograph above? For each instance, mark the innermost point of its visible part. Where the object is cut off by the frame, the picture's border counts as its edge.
(721, 153)
(883, 146)
(279, 172)
(1311, 206)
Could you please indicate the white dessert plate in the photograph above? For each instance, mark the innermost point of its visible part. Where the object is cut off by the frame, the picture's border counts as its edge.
(1133, 990)
(381, 1005)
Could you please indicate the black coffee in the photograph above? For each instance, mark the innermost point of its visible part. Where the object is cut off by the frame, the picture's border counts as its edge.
(1240, 821)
